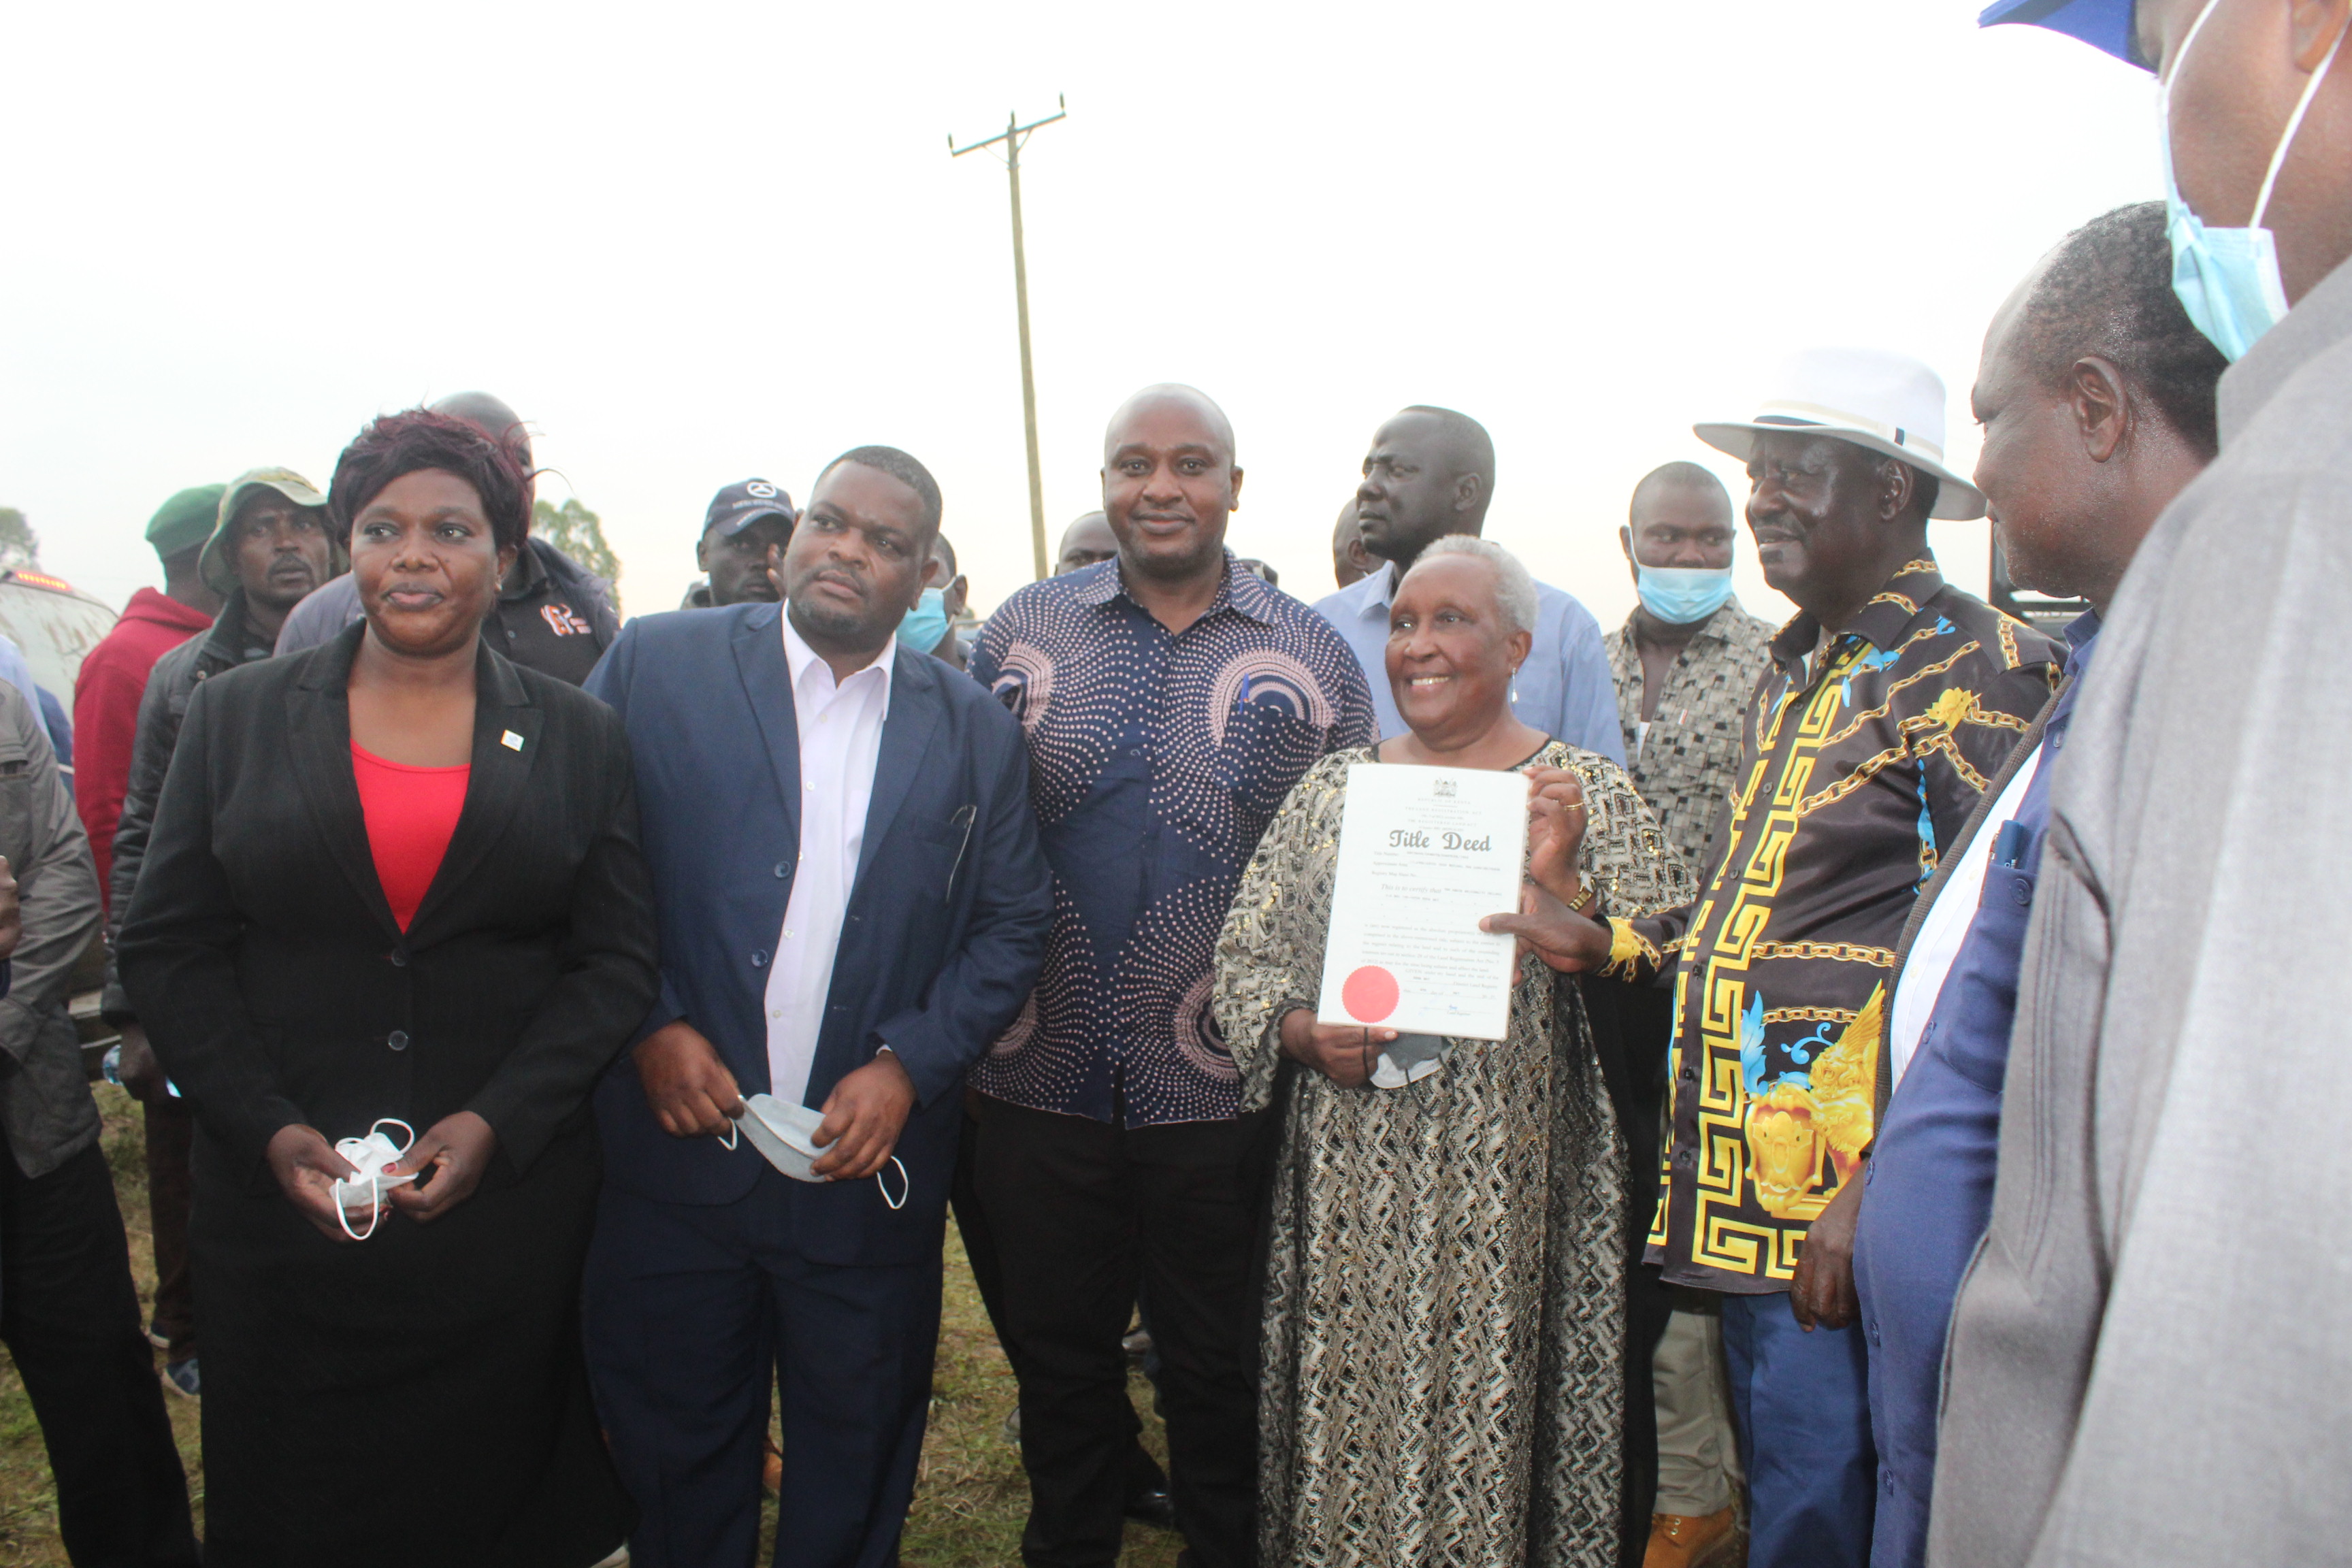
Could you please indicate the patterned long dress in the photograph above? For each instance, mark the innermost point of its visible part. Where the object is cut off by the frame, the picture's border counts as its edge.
(1443, 1377)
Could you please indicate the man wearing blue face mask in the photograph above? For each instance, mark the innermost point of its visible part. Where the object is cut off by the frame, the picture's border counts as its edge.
(1685, 663)
(930, 625)
(1687, 657)
(2146, 1363)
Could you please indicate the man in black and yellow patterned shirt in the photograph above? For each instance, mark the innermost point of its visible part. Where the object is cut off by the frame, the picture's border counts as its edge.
(1863, 753)
(1893, 697)
(1685, 662)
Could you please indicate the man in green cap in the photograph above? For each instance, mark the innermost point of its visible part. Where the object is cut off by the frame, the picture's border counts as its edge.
(267, 548)
(107, 690)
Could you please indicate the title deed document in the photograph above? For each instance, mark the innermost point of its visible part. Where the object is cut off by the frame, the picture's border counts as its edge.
(1424, 855)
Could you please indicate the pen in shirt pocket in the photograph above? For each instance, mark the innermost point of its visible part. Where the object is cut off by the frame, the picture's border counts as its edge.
(963, 819)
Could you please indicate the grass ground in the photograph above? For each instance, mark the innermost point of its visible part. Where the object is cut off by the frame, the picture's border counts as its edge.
(969, 1502)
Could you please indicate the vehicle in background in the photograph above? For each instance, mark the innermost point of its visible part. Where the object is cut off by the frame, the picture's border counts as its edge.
(56, 624)
(2040, 611)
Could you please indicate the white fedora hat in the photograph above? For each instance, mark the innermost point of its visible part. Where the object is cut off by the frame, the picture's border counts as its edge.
(1889, 403)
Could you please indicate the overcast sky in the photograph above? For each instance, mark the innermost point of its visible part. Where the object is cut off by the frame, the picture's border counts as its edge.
(693, 243)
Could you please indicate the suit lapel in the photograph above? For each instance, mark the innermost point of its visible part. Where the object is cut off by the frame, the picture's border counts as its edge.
(319, 721)
(906, 736)
(496, 781)
(768, 692)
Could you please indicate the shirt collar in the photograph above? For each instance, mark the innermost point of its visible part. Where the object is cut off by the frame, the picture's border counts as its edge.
(1725, 615)
(2081, 633)
(1242, 591)
(1882, 621)
(802, 659)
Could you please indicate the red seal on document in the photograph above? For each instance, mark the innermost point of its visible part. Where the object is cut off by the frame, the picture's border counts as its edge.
(1369, 995)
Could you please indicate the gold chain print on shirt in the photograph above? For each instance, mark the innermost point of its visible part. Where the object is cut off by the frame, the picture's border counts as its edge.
(1779, 1131)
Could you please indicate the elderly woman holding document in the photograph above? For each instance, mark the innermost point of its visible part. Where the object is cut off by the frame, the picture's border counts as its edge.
(1442, 1380)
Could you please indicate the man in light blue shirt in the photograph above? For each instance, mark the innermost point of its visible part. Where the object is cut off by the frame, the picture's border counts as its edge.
(1431, 473)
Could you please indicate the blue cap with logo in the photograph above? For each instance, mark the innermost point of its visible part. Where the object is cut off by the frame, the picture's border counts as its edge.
(742, 504)
(2102, 24)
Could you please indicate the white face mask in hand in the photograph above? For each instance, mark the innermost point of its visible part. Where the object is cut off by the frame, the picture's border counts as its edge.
(785, 1137)
(373, 1155)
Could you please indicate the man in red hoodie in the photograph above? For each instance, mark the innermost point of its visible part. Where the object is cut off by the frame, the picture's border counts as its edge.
(114, 676)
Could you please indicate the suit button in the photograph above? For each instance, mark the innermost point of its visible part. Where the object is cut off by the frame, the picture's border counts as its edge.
(2021, 889)
(398, 1039)
(399, 959)
(759, 958)
(784, 868)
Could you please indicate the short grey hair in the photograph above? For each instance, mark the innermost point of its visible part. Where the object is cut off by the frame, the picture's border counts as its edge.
(1515, 591)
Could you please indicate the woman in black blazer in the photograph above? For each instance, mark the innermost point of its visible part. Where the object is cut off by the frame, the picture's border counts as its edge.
(398, 876)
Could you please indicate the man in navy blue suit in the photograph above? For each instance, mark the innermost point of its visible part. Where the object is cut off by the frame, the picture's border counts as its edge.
(853, 903)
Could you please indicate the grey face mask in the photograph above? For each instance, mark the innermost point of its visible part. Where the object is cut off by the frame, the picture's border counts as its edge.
(785, 1135)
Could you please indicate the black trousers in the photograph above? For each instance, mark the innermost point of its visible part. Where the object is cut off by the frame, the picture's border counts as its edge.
(69, 1316)
(1631, 1027)
(1083, 1213)
(171, 1193)
(1143, 1472)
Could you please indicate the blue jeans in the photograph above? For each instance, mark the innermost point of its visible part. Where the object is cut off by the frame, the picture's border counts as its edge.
(1801, 1403)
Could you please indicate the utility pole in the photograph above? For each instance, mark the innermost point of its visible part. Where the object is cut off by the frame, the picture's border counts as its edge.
(1013, 136)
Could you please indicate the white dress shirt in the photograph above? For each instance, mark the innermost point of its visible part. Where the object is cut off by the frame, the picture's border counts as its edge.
(841, 737)
(1946, 930)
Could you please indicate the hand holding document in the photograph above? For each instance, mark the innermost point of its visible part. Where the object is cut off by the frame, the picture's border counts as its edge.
(1424, 855)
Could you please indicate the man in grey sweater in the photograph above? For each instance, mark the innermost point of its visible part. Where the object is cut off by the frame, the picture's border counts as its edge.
(2151, 1360)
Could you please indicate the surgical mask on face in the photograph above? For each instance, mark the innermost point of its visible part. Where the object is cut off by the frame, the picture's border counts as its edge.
(785, 1136)
(1681, 595)
(372, 1156)
(927, 623)
(2228, 278)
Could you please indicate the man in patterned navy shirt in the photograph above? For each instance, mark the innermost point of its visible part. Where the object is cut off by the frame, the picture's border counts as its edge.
(1171, 699)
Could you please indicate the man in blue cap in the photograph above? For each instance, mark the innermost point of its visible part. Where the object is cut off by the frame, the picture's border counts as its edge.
(744, 521)
(2147, 1361)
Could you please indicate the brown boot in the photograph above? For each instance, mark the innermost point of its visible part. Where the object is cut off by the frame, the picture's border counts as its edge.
(1683, 1541)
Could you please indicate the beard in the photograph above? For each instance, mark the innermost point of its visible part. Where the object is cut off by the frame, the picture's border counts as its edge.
(821, 619)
